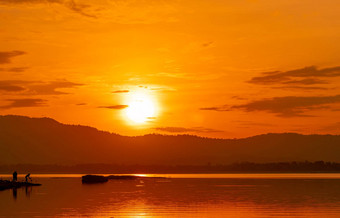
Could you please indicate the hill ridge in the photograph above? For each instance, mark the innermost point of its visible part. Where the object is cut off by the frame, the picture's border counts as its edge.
(47, 141)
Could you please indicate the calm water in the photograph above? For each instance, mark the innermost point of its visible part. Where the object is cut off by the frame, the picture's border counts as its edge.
(224, 195)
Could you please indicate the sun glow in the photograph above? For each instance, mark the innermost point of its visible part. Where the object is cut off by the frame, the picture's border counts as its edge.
(141, 108)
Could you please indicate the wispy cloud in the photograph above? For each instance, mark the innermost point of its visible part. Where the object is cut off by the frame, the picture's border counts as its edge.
(51, 88)
(118, 11)
(79, 8)
(37, 87)
(301, 87)
(217, 108)
(14, 69)
(289, 106)
(303, 76)
(121, 91)
(115, 107)
(6, 56)
(186, 130)
(332, 127)
(70, 4)
(163, 89)
(26, 102)
(8, 87)
(81, 104)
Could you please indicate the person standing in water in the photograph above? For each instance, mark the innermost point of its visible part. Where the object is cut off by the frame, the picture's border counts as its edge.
(28, 177)
(15, 176)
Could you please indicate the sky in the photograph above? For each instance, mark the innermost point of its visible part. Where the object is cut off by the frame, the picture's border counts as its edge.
(213, 68)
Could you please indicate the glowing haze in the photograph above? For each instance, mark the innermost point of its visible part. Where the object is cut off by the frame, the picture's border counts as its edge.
(211, 68)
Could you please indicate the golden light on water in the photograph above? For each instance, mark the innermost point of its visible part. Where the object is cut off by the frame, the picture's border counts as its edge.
(141, 108)
(142, 175)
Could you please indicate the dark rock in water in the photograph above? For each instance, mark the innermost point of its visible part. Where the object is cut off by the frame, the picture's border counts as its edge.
(93, 179)
(132, 177)
(123, 177)
(6, 184)
(101, 179)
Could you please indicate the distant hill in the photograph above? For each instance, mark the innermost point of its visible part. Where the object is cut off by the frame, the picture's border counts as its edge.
(46, 141)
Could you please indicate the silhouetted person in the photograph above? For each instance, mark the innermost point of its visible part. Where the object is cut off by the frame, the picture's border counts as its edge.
(15, 176)
(28, 177)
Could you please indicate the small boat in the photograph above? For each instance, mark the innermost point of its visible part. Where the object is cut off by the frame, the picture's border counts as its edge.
(93, 179)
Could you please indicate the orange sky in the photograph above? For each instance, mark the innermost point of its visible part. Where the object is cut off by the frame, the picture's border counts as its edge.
(210, 67)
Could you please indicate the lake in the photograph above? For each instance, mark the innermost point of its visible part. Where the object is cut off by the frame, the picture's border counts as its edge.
(178, 195)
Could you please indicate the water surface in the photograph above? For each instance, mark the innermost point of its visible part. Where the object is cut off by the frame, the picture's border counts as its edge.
(179, 195)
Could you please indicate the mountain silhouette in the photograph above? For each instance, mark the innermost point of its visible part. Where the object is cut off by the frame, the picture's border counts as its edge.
(25, 140)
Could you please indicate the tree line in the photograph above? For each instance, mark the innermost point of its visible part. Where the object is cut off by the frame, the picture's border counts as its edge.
(238, 167)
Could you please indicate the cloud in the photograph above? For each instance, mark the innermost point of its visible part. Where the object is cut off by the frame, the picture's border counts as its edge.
(81, 104)
(12, 85)
(289, 106)
(70, 4)
(304, 76)
(30, 1)
(185, 130)
(11, 88)
(251, 123)
(50, 88)
(163, 89)
(27, 102)
(332, 127)
(37, 87)
(298, 78)
(219, 108)
(207, 44)
(117, 11)
(79, 8)
(121, 91)
(5, 56)
(115, 107)
(305, 82)
(17, 69)
(14, 69)
(301, 87)
(239, 97)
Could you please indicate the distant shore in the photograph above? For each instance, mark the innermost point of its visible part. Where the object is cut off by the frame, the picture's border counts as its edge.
(242, 167)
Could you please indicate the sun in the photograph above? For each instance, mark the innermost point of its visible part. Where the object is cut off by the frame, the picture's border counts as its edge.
(141, 108)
